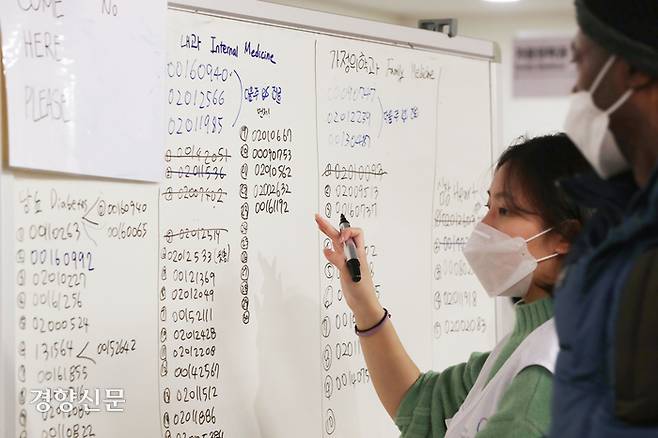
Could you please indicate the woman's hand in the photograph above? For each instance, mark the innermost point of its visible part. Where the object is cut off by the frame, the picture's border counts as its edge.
(391, 369)
(361, 296)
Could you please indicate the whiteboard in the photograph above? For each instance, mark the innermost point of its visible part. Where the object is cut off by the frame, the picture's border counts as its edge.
(6, 322)
(240, 197)
(463, 315)
(376, 139)
(84, 310)
(238, 322)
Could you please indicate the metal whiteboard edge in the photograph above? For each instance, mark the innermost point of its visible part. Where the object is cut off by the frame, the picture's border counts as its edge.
(339, 25)
(504, 310)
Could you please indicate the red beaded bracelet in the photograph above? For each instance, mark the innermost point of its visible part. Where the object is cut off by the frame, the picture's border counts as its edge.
(375, 328)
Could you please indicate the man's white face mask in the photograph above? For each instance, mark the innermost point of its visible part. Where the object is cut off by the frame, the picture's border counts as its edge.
(502, 263)
(587, 126)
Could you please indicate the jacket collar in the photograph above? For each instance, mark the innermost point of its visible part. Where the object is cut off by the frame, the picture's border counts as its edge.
(619, 193)
(590, 191)
(622, 211)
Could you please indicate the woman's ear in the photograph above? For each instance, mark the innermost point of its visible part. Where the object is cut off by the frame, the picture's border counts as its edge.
(567, 232)
(563, 246)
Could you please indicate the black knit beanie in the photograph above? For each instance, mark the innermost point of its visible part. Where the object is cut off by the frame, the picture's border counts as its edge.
(627, 28)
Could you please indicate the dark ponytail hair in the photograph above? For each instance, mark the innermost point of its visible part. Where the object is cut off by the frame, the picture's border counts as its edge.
(536, 165)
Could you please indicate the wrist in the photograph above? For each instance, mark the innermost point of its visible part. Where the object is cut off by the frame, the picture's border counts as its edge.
(367, 313)
(365, 332)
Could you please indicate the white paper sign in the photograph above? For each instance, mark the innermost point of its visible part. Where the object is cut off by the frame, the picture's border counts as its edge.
(85, 85)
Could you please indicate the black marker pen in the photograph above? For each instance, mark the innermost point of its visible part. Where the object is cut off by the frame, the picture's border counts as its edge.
(353, 264)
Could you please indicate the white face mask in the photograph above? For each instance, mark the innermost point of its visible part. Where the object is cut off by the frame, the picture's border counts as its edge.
(587, 126)
(502, 263)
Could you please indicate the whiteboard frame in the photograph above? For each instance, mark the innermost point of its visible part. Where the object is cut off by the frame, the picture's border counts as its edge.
(339, 25)
(7, 327)
(504, 310)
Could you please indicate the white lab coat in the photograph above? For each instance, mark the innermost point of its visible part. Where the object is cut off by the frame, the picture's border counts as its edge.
(539, 348)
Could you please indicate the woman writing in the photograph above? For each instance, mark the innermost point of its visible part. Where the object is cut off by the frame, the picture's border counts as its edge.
(515, 251)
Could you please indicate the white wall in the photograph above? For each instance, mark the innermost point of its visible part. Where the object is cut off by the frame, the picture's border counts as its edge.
(349, 10)
(521, 116)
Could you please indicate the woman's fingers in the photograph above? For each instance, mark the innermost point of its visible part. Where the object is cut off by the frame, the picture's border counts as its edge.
(330, 232)
(350, 233)
(338, 239)
(354, 292)
(340, 236)
(356, 234)
(335, 258)
(327, 228)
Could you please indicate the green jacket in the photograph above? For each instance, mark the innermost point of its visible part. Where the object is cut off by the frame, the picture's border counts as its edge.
(524, 410)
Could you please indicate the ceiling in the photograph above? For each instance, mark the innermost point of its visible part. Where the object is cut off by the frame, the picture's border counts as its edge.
(436, 8)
